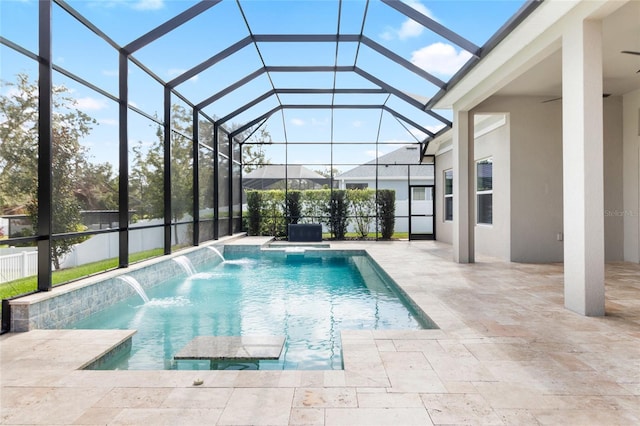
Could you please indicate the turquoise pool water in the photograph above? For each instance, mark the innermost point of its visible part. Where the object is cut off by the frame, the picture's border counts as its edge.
(307, 297)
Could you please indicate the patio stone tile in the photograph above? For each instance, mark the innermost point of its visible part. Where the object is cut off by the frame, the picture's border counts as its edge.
(373, 378)
(134, 397)
(311, 379)
(167, 416)
(421, 381)
(46, 405)
(325, 397)
(377, 416)
(98, 416)
(307, 417)
(460, 409)
(258, 379)
(460, 369)
(520, 417)
(197, 397)
(388, 400)
(385, 345)
(404, 361)
(514, 395)
(586, 417)
(335, 378)
(258, 406)
(460, 387)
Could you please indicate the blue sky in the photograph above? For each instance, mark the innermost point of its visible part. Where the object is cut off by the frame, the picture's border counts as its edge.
(79, 51)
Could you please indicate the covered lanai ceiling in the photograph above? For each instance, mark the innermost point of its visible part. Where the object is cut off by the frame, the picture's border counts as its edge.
(310, 71)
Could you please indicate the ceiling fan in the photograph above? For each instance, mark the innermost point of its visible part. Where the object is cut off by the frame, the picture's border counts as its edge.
(604, 95)
(631, 52)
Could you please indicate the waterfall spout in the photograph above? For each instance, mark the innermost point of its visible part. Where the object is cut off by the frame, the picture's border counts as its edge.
(186, 265)
(215, 250)
(134, 284)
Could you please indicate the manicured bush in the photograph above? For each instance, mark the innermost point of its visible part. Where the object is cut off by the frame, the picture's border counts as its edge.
(362, 206)
(294, 206)
(254, 207)
(338, 213)
(386, 201)
(314, 206)
(273, 221)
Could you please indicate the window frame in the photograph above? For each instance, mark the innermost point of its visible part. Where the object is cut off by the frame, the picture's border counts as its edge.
(413, 193)
(447, 215)
(483, 192)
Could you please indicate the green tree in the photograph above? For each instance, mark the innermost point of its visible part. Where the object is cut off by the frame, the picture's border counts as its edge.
(253, 142)
(18, 144)
(70, 166)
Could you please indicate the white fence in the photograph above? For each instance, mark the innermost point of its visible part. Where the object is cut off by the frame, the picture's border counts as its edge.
(18, 265)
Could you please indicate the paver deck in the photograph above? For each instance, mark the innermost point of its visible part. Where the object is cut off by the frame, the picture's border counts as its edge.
(507, 352)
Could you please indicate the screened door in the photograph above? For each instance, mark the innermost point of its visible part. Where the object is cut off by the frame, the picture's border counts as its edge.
(421, 225)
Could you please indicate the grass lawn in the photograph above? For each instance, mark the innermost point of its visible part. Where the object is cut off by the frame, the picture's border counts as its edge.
(29, 284)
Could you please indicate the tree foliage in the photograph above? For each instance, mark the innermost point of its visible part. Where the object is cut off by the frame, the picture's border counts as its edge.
(362, 204)
(386, 212)
(77, 182)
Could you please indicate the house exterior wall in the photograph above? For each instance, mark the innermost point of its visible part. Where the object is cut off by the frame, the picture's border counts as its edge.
(631, 175)
(535, 174)
(494, 240)
(444, 229)
(613, 180)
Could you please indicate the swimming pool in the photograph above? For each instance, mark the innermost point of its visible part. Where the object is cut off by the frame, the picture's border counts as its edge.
(306, 296)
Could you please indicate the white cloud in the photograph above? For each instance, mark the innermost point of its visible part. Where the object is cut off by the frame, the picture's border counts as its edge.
(440, 58)
(409, 28)
(148, 5)
(90, 103)
(110, 73)
(108, 121)
(297, 122)
(357, 123)
(174, 72)
(316, 122)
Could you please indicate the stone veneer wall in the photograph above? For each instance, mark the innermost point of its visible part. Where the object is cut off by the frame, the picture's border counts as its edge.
(72, 302)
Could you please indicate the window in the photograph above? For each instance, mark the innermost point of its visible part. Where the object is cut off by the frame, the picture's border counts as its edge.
(419, 194)
(357, 186)
(484, 191)
(448, 195)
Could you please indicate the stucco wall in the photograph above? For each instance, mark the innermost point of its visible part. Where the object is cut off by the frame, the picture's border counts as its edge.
(494, 239)
(631, 175)
(613, 180)
(444, 229)
(536, 177)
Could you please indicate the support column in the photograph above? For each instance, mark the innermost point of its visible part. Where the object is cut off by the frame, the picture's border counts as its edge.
(583, 175)
(463, 189)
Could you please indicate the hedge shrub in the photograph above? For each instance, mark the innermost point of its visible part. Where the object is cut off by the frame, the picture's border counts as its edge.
(386, 201)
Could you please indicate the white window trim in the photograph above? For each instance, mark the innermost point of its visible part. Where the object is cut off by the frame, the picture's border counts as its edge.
(444, 205)
(485, 192)
(413, 193)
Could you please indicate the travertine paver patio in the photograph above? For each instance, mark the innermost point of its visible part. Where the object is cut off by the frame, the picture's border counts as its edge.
(507, 352)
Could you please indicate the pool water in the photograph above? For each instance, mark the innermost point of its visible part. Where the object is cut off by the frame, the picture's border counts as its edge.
(306, 297)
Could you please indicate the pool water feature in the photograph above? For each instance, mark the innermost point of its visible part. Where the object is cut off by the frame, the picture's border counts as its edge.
(306, 296)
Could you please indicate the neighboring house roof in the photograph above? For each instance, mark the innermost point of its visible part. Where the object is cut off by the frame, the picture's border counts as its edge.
(269, 174)
(407, 154)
